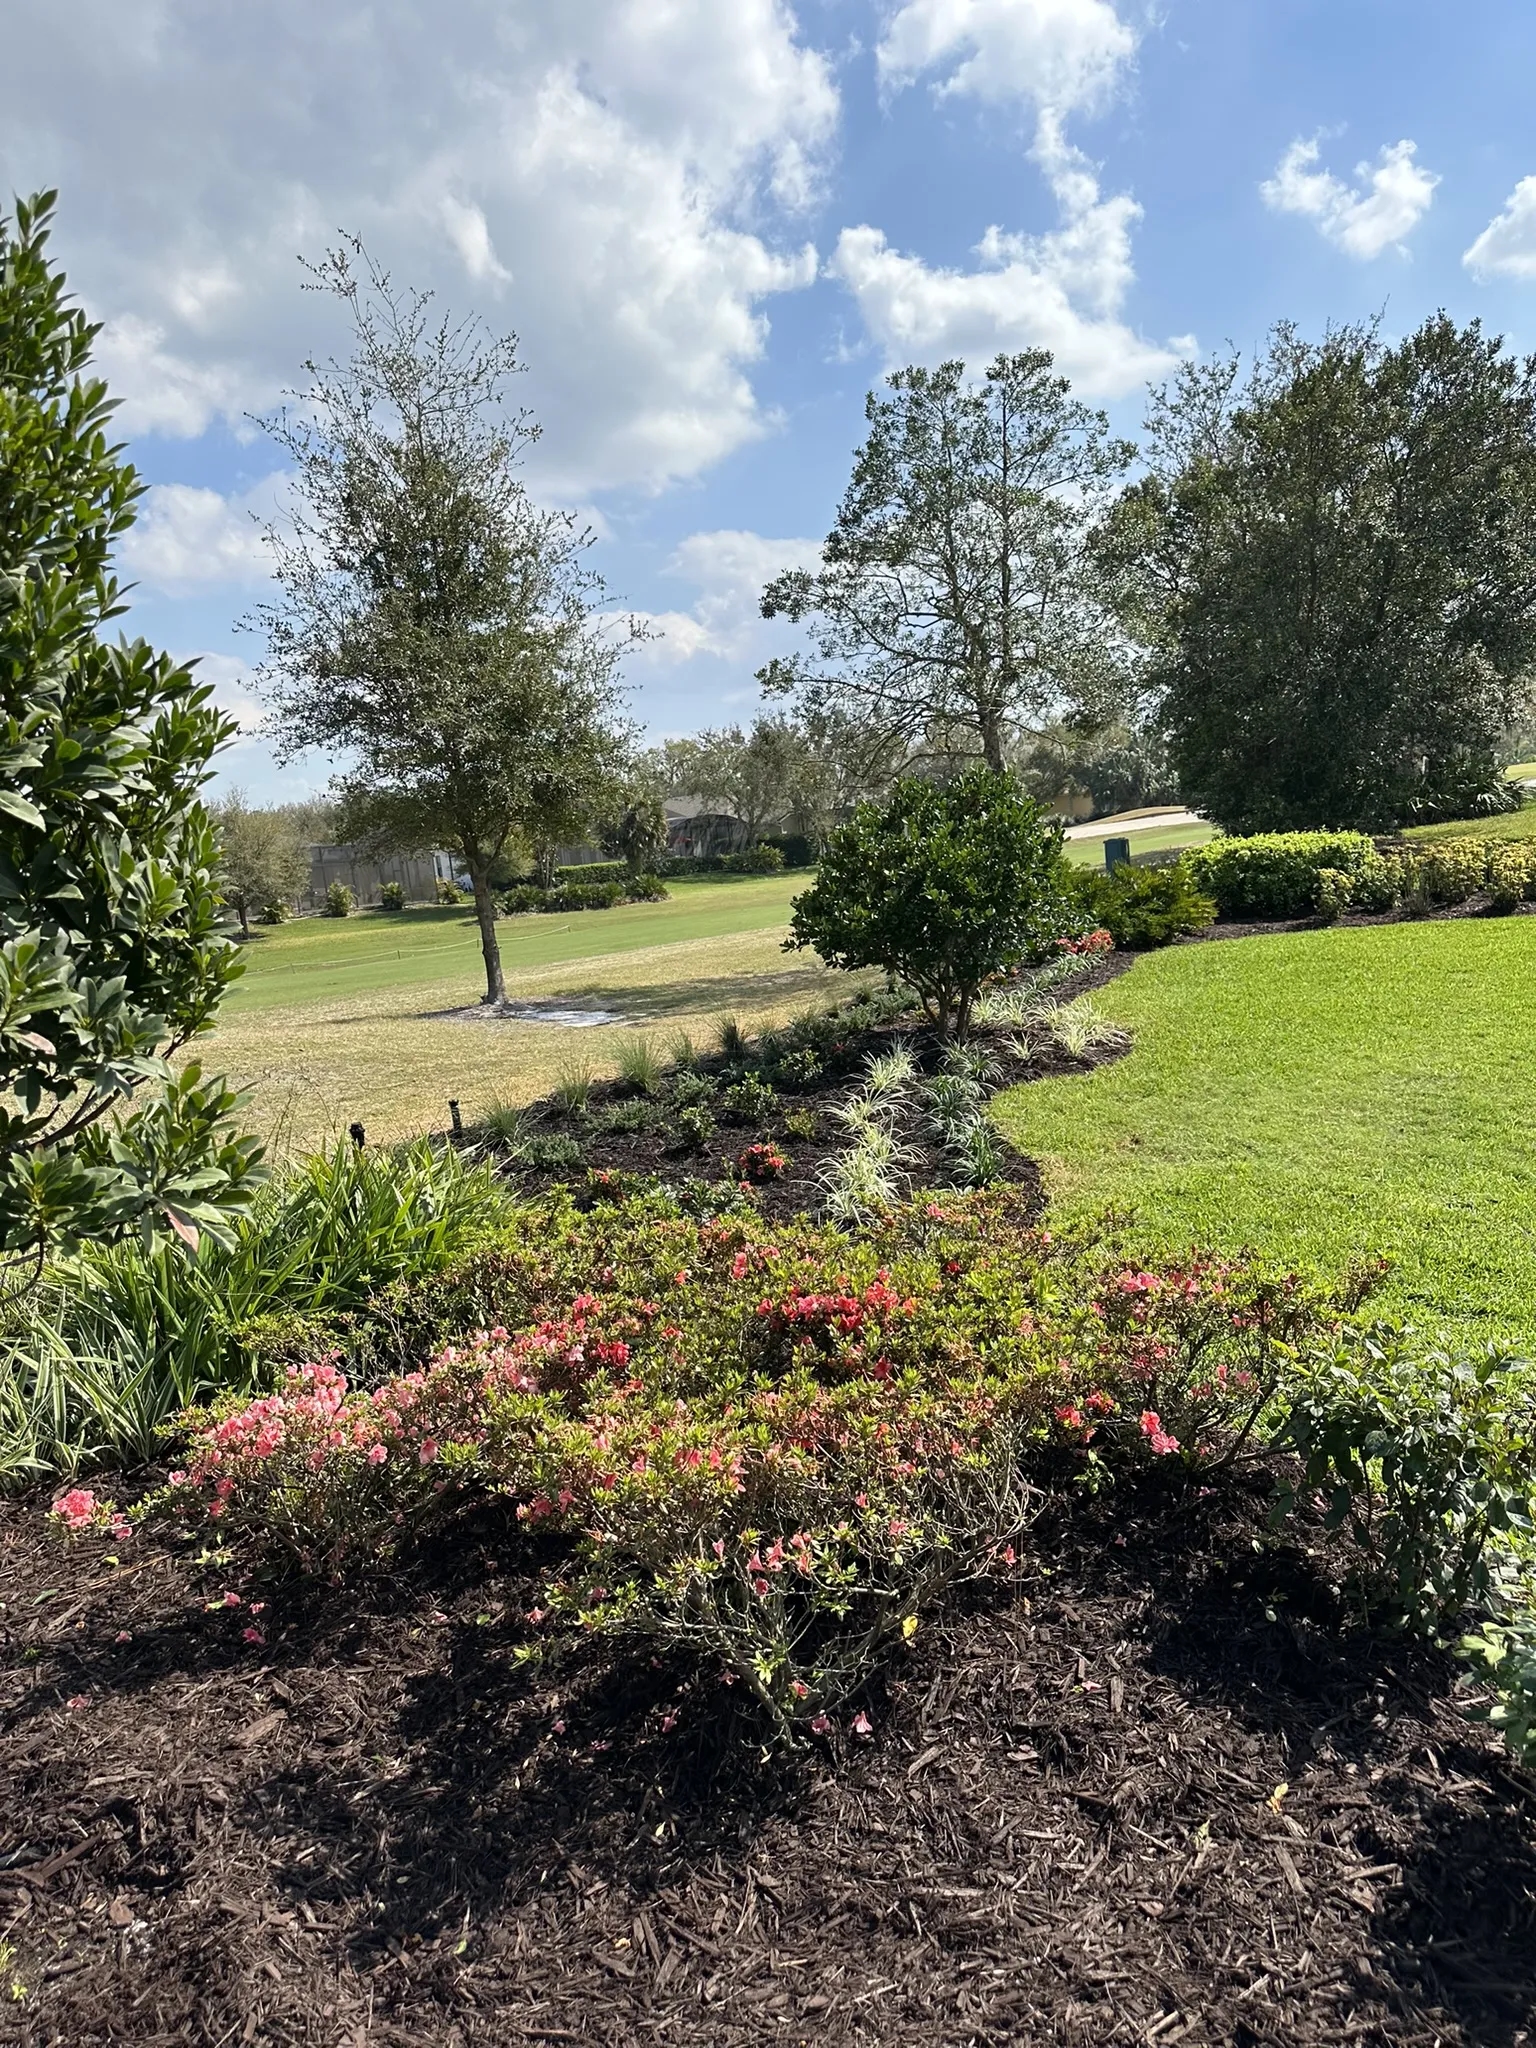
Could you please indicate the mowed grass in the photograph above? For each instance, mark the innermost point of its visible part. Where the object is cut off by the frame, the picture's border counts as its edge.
(1322, 1097)
(337, 1021)
(1090, 852)
(1519, 824)
(319, 958)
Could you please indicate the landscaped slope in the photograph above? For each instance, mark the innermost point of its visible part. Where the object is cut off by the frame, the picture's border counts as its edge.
(1321, 1096)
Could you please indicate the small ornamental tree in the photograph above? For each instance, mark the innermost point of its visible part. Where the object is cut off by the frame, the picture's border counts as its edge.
(638, 834)
(264, 861)
(113, 953)
(945, 887)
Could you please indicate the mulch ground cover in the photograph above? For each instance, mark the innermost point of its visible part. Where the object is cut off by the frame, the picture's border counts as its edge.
(1164, 1789)
(656, 1150)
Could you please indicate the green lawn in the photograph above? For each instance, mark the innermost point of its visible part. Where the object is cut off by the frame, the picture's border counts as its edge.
(1519, 824)
(372, 1017)
(1090, 852)
(317, 959)
(1321, 1096)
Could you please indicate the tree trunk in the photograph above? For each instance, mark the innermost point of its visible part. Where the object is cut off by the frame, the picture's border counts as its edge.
(490, 946)
(245, 916)
(992, 741)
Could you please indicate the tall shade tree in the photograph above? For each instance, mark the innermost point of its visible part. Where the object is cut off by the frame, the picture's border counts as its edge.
(113, 953)
(435, 625)
(955, 591)
(1332, 566)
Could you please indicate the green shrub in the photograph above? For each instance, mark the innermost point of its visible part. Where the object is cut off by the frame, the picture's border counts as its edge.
(695, 1126)
(339, 900)
(586, 872)
(576, 896)
(738, 1451)
(1446, 871)
(273, 913)
(945, 887)
(802, 1068)
(1141, 907)
(523, 898)
(549, 1152)
(1423, 1456)
(391, 896)
(762, 859)
(802, 1123)
(645, 889)
(750, 1101)
(1376, 884)
(448, 892)
(689, 1087)
(1274, 874)
(1334, 892)
(798, 850)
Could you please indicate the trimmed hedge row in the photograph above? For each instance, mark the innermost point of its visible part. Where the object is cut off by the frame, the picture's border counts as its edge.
(528, 896)
(764, 859)
(1307, 874)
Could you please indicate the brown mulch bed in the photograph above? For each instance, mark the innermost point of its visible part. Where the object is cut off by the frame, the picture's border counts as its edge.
(799, 1191)
(1166, 1791)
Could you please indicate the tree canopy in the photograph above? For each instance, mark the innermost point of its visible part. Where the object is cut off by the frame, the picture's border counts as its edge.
(956, 597)
(113, 952)
(1332, 565)
(435, 624)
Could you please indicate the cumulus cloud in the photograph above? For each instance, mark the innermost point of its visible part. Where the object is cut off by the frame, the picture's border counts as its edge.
(187, 538)
(1507, 246)
(1378, 212)
(1063, 291)
(1062, 54)
(619, 182)
(234, 691)
(728, 569)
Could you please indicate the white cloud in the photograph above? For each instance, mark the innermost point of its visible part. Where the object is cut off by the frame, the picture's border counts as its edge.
(1063, 54)
(618, 181)
(1391, 197)
(1507, 246)
(728, 569)
(186, 538)
(1063, 291)
(234, 691)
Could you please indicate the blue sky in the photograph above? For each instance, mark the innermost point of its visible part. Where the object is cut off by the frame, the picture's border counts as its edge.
(714, 223)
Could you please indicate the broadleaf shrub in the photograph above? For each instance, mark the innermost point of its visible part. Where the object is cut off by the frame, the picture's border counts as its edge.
(1274, 874)
(1142, 907)
(947, 888)
(1425, 1457)
(768, 1447)
(391, 896)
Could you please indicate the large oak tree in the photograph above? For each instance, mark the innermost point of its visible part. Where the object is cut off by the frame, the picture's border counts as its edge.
(436, 626)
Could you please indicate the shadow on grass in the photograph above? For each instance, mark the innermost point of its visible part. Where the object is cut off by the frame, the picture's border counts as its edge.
(654, 1001)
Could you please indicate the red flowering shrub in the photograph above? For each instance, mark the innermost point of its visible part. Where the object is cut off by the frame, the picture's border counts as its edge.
(760, 1163)
(1090, 945)
(772, 1451)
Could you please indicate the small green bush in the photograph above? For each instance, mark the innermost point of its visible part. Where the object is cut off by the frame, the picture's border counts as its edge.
(522, 898)
(1274, 874)
(695, 1126)
(391, 896)
(1446, 871)
(754, 860)
(645, 889)
(1424, 1456)
(689, 1087)
(273, 913)
(750, 1101)
(1334, 894)
(339, 900)
(447, 892)
(1142, 907)
(802, 1068)
(947, 888)
(587, 872)
(549, 1152)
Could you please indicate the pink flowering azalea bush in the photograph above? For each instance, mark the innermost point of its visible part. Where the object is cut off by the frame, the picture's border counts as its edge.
(773, 1448)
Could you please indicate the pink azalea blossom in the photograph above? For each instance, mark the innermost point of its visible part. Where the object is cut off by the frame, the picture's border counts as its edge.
(76, 1508)
(861, 1723)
